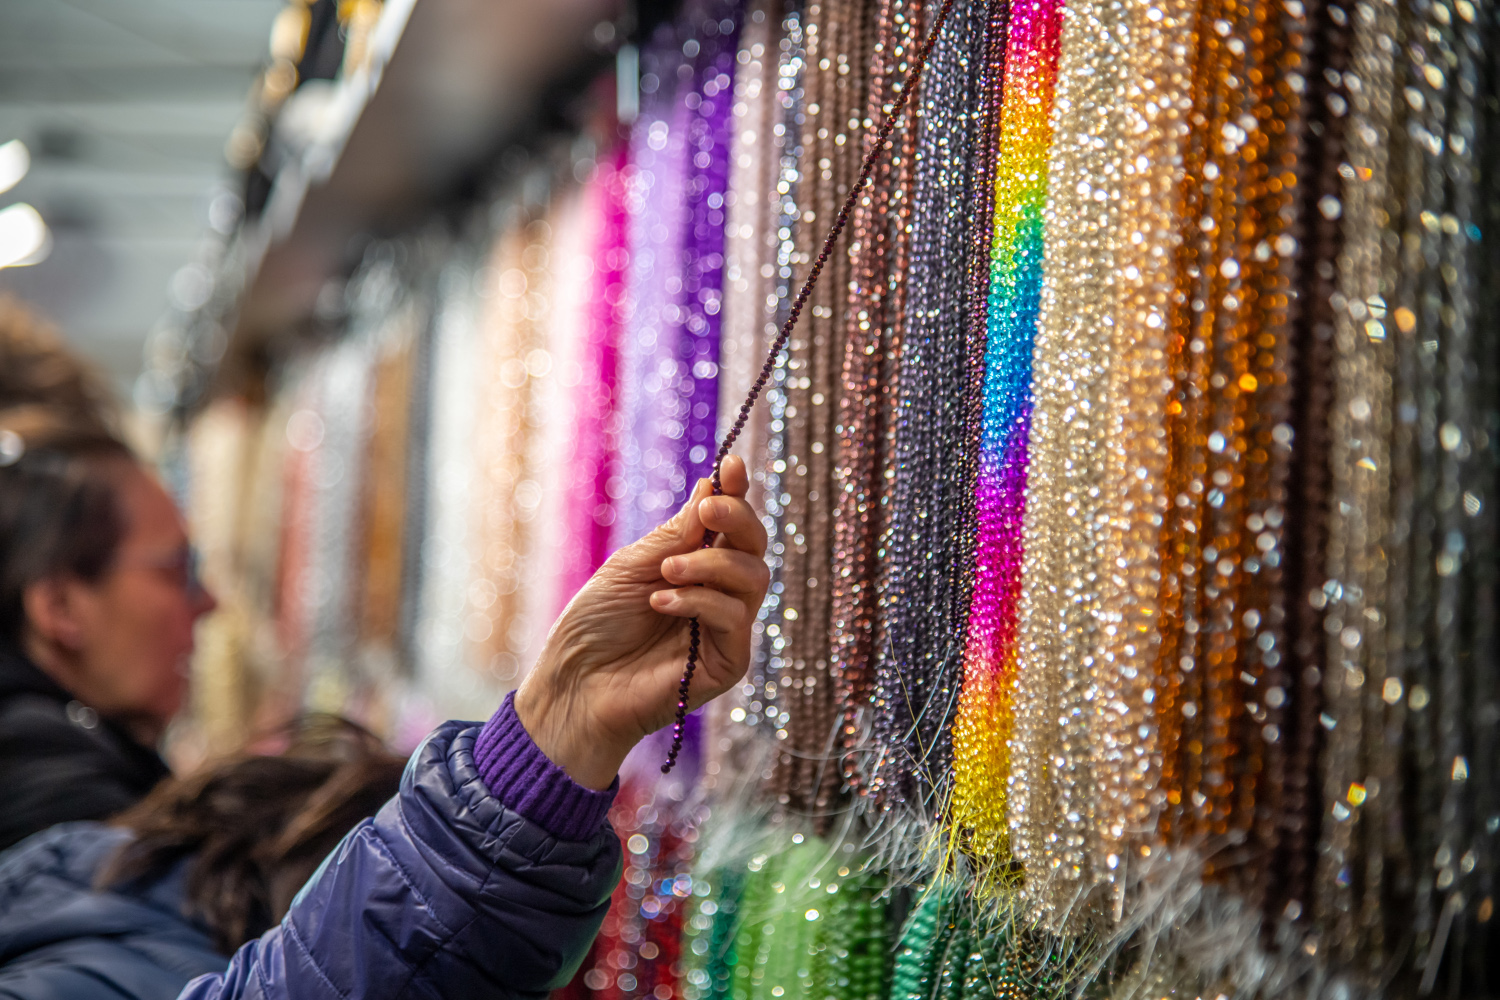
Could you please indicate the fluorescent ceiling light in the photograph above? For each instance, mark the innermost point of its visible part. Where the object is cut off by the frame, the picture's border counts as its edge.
(15, 160)
(24, 238)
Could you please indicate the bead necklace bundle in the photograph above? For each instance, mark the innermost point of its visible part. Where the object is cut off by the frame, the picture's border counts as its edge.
(833, 96)
(931, 517)
(1269, 273)
(791, 916)
(952, 949)
(874, 318)
(785, 333)
(982, 728)
(679, 152)
(1360, 459)
(780, 220)
(1319, 242)
(751, 184)
(516, 290)
(590, 511)
(1223, 635)
(383, 508)
(1084, 787)
(336, 417)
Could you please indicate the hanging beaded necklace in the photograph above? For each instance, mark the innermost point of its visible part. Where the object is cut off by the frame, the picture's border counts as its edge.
(781, 222)
(1438, 476)
(879, 250)
(1083, 788)
(676, 254)
(679, 725)
(931, 516)
(1360, 462)
(799, 920)
(833, 92)
(1305, 530)
(982, 727)
(952, 949)
(1271, 269)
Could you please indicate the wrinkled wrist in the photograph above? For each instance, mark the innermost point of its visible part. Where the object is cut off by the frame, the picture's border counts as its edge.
(521, 775)
(564, 724)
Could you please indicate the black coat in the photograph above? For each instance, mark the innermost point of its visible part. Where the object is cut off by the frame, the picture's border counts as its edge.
(58, 760)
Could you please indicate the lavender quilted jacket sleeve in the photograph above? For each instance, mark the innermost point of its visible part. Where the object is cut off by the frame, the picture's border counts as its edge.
(462, 886)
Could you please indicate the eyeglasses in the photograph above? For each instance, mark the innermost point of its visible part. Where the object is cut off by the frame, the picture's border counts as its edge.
(182, 567)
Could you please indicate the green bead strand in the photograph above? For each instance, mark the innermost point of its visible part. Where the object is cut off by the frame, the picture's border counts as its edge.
(923, 944)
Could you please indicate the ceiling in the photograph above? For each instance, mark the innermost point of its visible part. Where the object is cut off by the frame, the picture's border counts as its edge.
(125, 107)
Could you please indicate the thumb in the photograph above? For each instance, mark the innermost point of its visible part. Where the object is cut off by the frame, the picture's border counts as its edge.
(684, 531)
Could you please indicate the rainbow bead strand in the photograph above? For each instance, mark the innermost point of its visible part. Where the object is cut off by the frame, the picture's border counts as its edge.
(983, 724)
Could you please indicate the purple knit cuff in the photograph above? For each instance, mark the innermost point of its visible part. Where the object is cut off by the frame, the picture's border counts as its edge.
(517, 773)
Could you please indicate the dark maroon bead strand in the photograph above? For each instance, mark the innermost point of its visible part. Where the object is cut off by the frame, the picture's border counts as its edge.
(773, 356)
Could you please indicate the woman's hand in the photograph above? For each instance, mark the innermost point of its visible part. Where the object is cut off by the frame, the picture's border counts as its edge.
(609, 671)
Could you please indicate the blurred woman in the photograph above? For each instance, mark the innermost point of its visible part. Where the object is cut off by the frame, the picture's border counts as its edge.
(98, 597)
(487, 875)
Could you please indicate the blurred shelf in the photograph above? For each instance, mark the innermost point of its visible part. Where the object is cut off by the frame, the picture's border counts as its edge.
(451, 83)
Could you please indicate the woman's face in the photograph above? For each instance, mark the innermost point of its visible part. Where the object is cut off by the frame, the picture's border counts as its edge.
(131, 633)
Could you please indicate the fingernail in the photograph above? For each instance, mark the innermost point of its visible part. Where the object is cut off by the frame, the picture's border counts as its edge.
(671, 564)
(664, 599)
(717, 506)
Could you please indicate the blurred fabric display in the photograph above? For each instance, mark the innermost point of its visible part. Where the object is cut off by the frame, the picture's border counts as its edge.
(1132, 475)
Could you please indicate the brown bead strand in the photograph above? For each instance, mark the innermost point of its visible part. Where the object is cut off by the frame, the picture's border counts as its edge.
(798, 627)
(1306, 531)
(860, 480)
(1269, 265)
(774, 354)
(909, 20)
(807, 775)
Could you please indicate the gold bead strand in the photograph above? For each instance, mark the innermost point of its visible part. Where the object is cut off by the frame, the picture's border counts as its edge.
(1151, 130)
(1052, 786)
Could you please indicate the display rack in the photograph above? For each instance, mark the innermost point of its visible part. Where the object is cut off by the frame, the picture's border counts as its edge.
(451, 84)
(1130, 481)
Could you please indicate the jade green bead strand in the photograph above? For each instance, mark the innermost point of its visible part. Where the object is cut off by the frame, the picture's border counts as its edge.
(923, 944)
(721, 959)
(952, 974)
(869, 954)
(848, 967)
(829, 962)
(750, 940)
(792, 934)
(984, 978)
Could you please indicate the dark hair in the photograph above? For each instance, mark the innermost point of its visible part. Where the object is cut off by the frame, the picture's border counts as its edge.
(59, 504)
(253, 829)
(38, 369)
